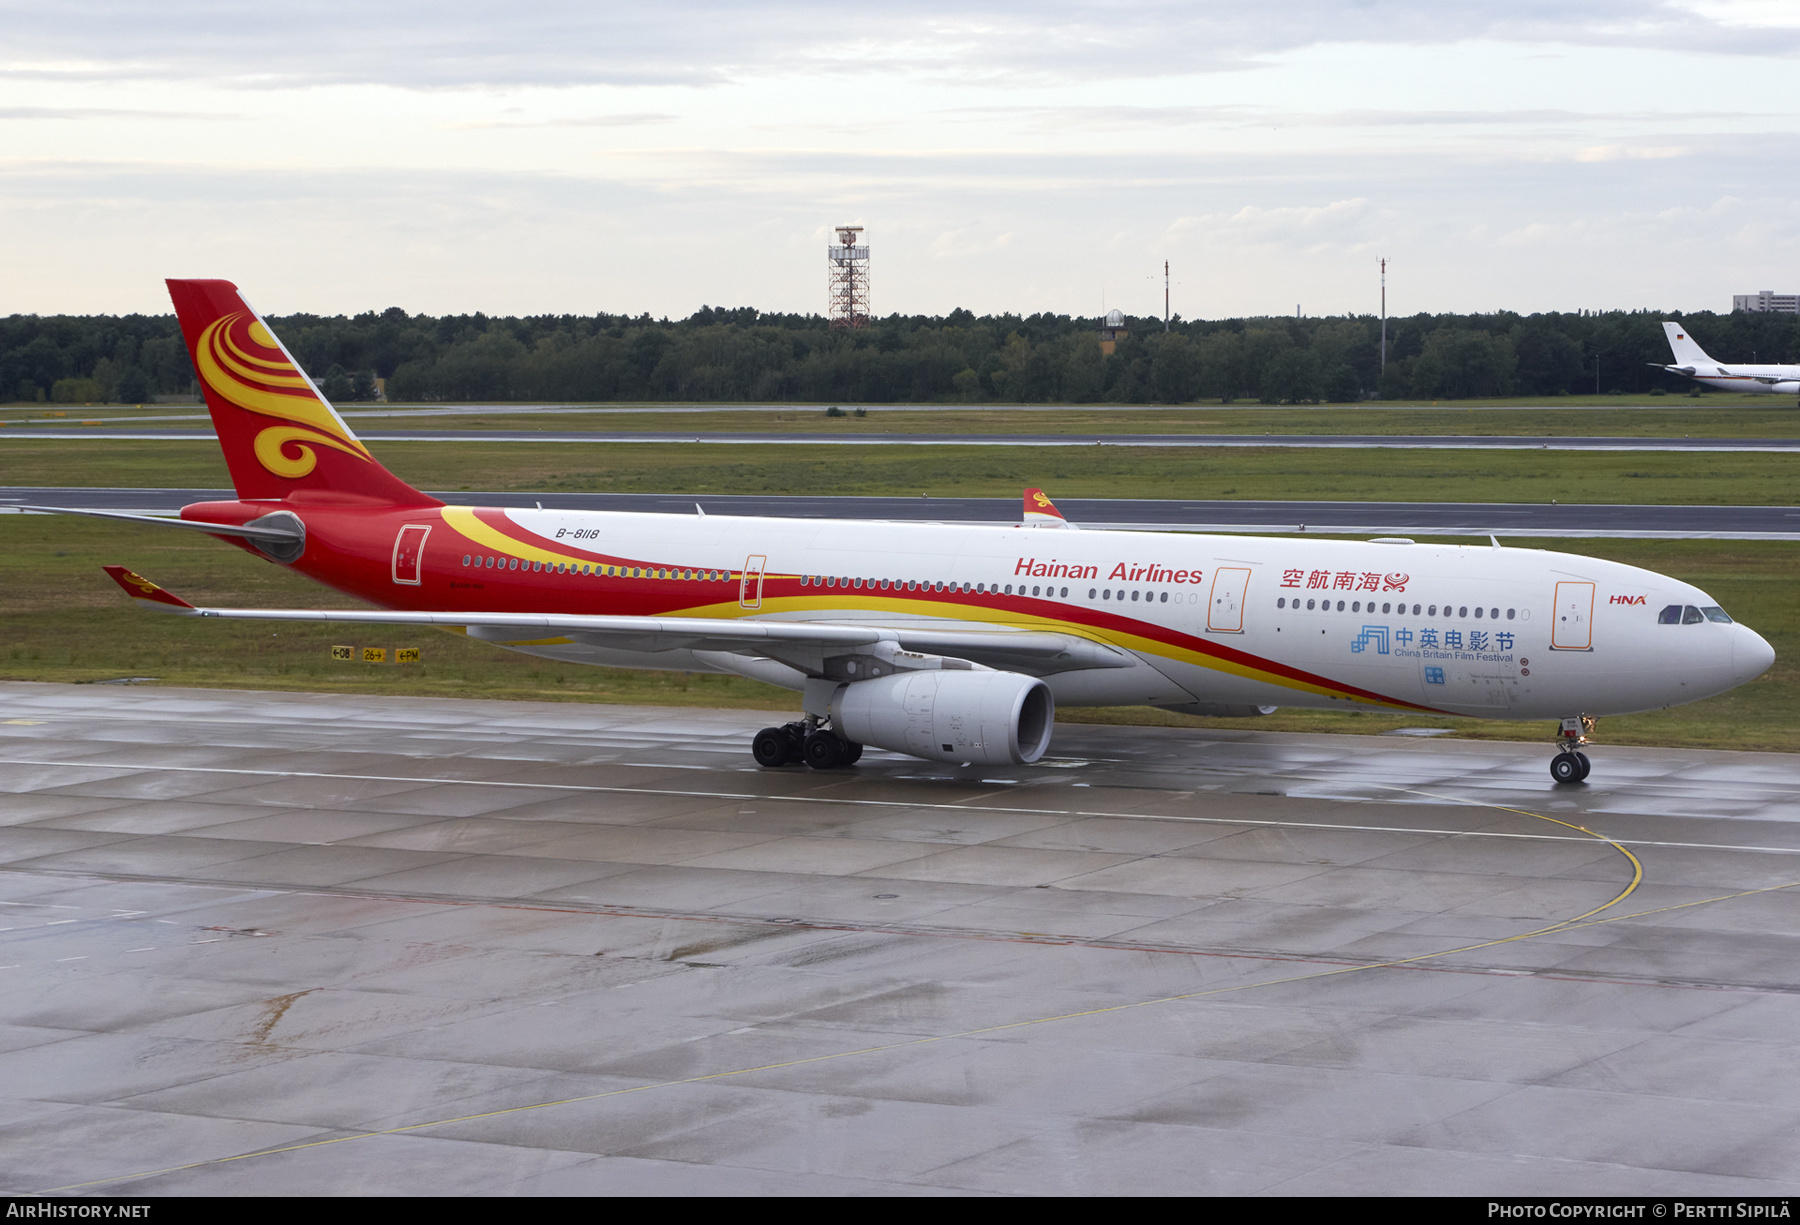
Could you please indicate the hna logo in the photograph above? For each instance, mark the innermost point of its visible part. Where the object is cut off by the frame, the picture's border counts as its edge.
(1627, 599)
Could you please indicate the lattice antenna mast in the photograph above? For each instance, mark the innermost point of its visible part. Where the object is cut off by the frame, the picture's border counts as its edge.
(847, 279)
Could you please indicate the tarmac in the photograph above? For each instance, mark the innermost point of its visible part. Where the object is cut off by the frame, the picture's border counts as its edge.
(299, 944)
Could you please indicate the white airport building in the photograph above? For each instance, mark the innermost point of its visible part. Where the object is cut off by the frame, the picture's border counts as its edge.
(1767, 300)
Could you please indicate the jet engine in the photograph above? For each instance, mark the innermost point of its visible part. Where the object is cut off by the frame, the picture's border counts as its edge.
(984, 717)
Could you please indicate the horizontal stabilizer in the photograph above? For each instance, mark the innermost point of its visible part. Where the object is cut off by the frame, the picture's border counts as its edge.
(268, 535)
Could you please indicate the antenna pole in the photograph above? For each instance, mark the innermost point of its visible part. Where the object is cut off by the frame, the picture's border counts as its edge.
(1165, 295)
(1384, 315)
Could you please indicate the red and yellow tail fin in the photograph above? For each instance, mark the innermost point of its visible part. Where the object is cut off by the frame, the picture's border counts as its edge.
(140, 588)
(280, 436)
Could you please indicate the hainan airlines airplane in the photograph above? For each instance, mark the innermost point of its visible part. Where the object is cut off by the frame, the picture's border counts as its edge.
(944, 641)
(1691, 360)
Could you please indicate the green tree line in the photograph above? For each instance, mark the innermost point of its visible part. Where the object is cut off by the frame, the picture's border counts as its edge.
(742, 354)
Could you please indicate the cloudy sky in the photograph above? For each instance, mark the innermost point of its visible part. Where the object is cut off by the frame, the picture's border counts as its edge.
(462, 155)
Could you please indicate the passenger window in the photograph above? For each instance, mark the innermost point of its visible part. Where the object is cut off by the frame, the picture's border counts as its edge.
(1478, 614)
(1091, 591)
(1510, 612)
(1281, 603)
(1309, 605)
(1165, 598)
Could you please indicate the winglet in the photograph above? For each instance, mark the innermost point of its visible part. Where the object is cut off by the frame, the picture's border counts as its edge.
(1040, 511)
(140, 588)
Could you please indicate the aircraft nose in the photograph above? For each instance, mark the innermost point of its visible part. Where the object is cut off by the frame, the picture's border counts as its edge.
(1751, 655)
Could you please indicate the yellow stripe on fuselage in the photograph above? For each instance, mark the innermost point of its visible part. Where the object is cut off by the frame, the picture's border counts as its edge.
(464, 520)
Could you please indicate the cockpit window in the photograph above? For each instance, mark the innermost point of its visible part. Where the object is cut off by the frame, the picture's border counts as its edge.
(1670, 615)
(1691, 616)
(1715, 613)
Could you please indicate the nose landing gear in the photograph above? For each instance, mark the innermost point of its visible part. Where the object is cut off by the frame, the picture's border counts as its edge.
(1571, 765)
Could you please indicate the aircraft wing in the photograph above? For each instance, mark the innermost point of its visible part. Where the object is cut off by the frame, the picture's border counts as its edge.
(802, 643)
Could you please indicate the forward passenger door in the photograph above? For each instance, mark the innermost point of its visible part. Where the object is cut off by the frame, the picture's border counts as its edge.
(1573, 628)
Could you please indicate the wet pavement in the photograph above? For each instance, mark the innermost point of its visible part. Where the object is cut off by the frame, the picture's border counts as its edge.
(264, 943)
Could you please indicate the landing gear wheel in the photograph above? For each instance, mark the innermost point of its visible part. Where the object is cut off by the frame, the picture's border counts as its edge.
(770, 748)
(824, 751)
(852, 751)
(1586, 766)
(1567, 768)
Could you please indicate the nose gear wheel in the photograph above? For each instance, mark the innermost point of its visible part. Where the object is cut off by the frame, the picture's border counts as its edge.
(1571, 765)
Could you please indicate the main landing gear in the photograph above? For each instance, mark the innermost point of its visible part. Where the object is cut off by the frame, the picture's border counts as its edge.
(1571, 765)
(806, 741)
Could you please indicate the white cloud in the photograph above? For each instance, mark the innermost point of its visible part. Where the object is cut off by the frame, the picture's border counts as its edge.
(437, 44)
(472, 156)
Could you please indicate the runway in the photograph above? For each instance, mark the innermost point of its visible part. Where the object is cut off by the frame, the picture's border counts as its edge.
(1478, 519)
(101, 430)
(283, 944)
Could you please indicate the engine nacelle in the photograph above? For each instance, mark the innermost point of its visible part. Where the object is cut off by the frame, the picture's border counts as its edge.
(990, 718)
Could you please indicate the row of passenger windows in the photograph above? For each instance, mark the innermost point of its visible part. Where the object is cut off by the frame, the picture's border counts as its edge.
(1430, 610)
(870, 584)
(1047, 592)
(1687, 614)
(485, 562)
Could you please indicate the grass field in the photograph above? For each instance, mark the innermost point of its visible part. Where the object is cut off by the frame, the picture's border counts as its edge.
(61, 619)
(1276, 473)
(1711, 416)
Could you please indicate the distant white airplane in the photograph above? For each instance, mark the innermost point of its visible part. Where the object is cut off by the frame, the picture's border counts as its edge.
(1691, 360)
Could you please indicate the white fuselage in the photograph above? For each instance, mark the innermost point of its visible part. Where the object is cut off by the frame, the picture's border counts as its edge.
(1209, 621)
(1762, 379)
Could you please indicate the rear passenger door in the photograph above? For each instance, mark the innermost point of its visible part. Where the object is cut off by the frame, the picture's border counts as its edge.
(409, 553)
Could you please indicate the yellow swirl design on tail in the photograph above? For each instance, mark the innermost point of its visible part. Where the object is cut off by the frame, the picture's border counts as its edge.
(271, 444)
(267, 383)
